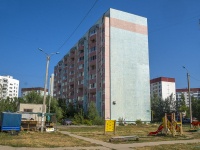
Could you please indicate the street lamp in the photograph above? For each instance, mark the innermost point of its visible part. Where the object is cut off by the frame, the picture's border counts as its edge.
(45, 85)
(190, 102)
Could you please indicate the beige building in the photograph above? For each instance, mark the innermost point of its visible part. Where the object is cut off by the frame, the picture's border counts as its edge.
(30, 111)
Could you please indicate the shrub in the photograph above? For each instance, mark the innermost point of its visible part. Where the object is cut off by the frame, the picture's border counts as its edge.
(121, 121)
(138, 122)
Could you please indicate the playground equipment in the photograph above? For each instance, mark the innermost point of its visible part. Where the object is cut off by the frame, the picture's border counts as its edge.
(170, 124)
(195, 124)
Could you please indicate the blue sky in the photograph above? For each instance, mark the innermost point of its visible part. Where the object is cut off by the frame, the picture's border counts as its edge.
(26, 25)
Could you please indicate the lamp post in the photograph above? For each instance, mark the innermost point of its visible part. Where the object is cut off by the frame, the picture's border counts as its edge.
(190, 102)
(45, 85)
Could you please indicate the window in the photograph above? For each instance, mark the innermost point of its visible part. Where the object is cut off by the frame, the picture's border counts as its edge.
(92, 76)
(93, 58)
(93, 49)
(93, 67)
(93, 85)
(81, 66)
(81, 51)
(28, 110)
(92, 32)
(81, 58)
(72, 65)
(71, 73)
(81, 74)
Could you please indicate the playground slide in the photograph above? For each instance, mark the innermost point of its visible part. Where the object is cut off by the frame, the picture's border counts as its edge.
(156, 132)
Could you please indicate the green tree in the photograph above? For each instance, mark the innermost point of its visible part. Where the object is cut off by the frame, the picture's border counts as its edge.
(54, 108)
(169, 104)
(195, 108)
(182, 105)
(70, 110)
(157, 107)
(93, 115)
(33, 98)
(9, 104)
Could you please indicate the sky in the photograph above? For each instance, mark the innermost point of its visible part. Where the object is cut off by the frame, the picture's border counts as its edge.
(56, 25)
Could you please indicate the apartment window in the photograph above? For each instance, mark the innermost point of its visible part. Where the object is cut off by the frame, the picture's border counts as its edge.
(93, 67)
(80, 82)
(92, 32)
(72, 65)
(71, 73)
(81, 58)
(93, 58)
(81, 51)
(81, 74)
(81, 66)
(93, 49)
(92, 76)
(71, 79)
(93, 85)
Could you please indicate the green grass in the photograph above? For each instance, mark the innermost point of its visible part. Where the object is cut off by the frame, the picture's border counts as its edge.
(39, 140)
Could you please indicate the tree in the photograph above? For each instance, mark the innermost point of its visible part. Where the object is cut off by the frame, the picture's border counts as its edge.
(195, 108)
(157, 105)
(182, 105)
(9, 104)
(33, 98)
(93, 115)
(169, 104)
(54, 108)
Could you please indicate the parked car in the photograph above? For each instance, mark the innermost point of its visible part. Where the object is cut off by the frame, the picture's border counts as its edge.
(67, 121)
(186, 120)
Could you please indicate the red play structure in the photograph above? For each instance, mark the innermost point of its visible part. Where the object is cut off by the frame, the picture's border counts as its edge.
(169, 123)
(156, 132)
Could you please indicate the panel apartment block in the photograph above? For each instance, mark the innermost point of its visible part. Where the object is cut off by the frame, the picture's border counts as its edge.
(109, 65)
(163, 87)
(194, 92)
(9, 87)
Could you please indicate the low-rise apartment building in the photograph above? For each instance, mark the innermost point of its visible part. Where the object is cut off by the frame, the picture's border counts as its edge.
(39, 90)
(9, 87)
(194, 92)
(163, 87)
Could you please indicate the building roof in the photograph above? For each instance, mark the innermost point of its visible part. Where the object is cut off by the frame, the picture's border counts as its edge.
(186, 90)
(33, 89)
(161, 79)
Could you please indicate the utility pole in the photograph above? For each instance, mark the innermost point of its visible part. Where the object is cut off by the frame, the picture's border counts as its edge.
(190, 102)
(45, 85)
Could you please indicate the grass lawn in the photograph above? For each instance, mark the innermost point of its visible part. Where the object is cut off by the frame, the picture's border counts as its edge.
(140, 130)
(56, 139)
(39, 140)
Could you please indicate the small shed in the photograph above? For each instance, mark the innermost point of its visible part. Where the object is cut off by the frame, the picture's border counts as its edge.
(10, 121)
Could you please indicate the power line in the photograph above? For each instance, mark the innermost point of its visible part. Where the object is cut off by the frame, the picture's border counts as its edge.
(194, 78)
(77, 26)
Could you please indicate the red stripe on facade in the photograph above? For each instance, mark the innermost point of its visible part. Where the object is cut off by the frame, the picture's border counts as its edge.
(128, 26)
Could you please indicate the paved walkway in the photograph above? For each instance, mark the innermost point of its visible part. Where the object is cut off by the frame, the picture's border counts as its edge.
(102, 145)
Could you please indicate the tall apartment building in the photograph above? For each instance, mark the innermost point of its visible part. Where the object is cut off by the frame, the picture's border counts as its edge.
(109, 66)
(39, 90)
(9, 87)
(194, 92)
(51, 84)
(163, 87)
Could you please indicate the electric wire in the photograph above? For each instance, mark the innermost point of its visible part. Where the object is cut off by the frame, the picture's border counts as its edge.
(77, 26)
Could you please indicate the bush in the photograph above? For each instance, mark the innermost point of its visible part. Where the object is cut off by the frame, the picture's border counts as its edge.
(87, 122)
(121, 121)
(138, 122)
(78, 118)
